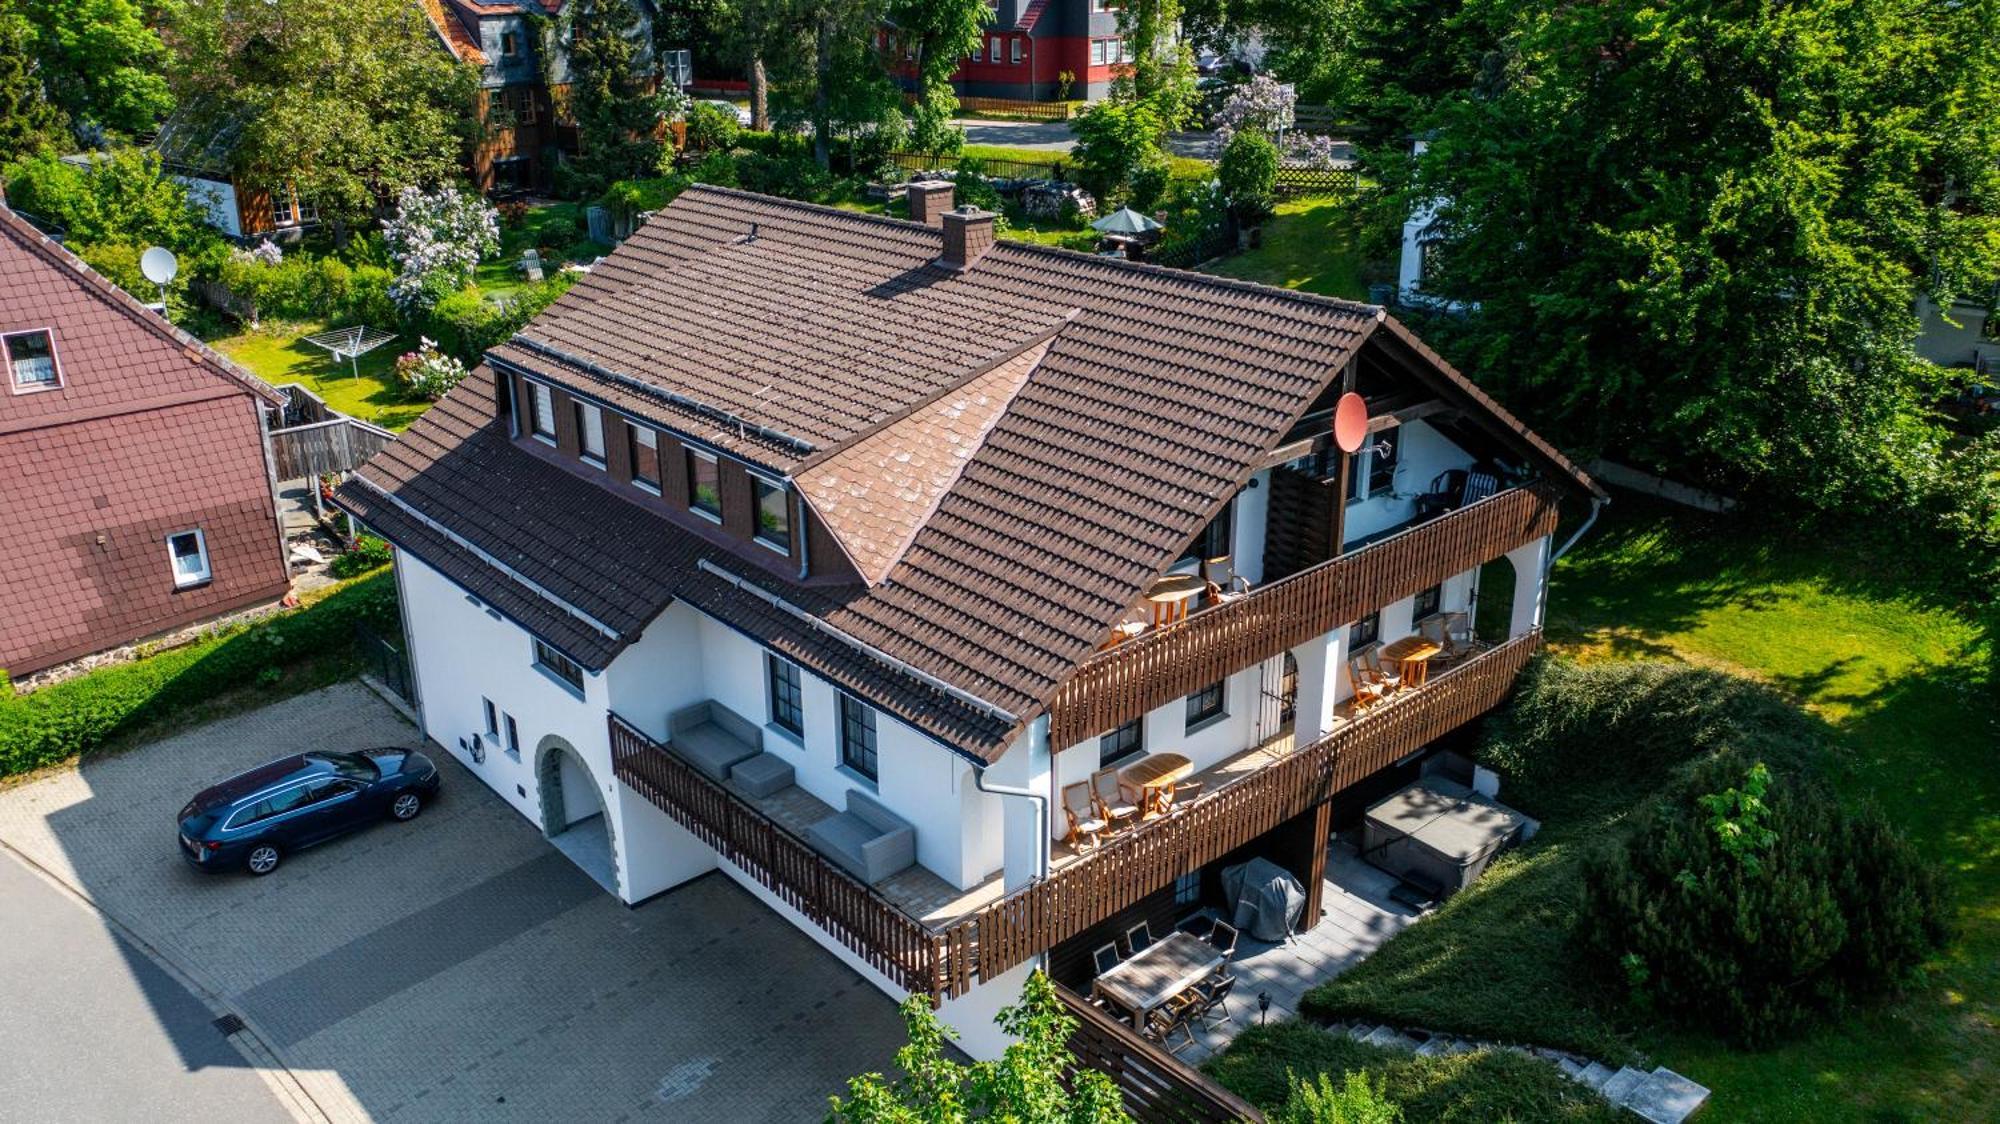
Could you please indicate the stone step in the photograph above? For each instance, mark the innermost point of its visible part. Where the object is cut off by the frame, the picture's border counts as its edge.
(1360, 1031)
(1569, 1068)
(1595, 1075)
(1390, 1038)
(1665, 1097)
(1620, 1085)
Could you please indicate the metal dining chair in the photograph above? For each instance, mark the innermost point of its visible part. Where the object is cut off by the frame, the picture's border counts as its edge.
(1105, 957)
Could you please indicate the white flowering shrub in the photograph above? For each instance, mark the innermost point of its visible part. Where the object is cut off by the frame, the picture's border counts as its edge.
(1263, 103)
(264, 253)
(1309, 150)
(436, 241)
(427, 372)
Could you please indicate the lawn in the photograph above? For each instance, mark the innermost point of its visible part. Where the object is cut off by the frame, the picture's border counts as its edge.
(1903, 675)
(555, 229)
(276, 352)
(1308, 245)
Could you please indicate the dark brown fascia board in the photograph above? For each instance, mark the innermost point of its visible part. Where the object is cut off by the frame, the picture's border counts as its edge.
(35, 242)
(1417, 358)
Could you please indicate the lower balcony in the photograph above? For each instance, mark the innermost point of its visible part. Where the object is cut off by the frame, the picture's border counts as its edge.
(933, 938)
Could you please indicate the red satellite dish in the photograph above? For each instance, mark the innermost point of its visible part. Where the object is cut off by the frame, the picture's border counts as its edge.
(1350, 422)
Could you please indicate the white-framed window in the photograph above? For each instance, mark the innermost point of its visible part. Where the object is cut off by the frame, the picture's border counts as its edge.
(645, 457)
(558, 666)
(704, 484)
(31, 360)
(1017, 52)
(993, 49)
(590, 431)
(187, 551)
(492, 718)
(1100, 51)
(978, 51)
(774, 519)
(857, 737)
(541, 412)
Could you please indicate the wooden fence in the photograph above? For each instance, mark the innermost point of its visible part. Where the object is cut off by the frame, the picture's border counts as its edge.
(1124, 682)
(1158, 1087)
(1131, 865)
(1296, 180)
(1186, 253)
(1017, 107)
(994, 169)
(893, 942)
(340, 444)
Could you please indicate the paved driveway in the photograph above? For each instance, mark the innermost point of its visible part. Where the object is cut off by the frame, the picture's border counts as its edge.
(457, 967)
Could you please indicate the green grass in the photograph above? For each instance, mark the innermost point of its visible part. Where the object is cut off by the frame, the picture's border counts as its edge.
(276, 352)
(1903, 676)
(1479, 1087)
(554, 229)
(1308, 245)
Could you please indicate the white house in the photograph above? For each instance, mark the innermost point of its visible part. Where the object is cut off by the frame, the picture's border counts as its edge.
(833, 553)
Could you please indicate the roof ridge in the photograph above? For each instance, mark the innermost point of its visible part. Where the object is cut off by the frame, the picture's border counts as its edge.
(35, 242)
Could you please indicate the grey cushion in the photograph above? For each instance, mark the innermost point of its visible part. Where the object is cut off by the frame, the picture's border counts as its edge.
(868, 841)
(712, 738)
(763, 775)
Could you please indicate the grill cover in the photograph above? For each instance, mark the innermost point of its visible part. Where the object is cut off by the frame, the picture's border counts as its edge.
(1264, 899)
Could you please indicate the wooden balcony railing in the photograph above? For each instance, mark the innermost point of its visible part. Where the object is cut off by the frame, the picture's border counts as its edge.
(1127, 867)
(1158, 1087)
(896, 944)
(1124, 682)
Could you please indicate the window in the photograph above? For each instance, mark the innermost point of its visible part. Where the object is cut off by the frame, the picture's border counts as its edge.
(1187, 888)
(559, 666)
(188, 552)
(704, 484)
(787, 706)
(590, 431)
(277, 805)
(1121, 743)
(1205, 705)
(774, 524)
(520, 101)
(308, 212)
(1099, 54)
(1427, 602)
(1365, 631)
(1382, 462)
(282, 212)
(994, 50)
(31, 357)
(541, 412)
(645, 457)
(513, 736)
(325, 789)
(492, 718)
(1017, 52)
(857, 736)
(1214, 540)
(979, 51)
(510, 44)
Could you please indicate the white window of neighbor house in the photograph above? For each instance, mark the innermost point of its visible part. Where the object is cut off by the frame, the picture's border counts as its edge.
(590, 432)
(188, 551)
(492, 718)
(541, 412)
(1017, 52)
(31, 360)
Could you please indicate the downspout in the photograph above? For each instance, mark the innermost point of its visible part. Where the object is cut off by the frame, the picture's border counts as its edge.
(1542, 595)
(1038, 731)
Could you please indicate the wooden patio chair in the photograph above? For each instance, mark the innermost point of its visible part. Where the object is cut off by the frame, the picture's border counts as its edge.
(1224, 583)
(1372, 659)
(1117, 802)
(1367, 692)
(1084, 823)
(1164, 1021)
(1213, 1007)
(1459, 638)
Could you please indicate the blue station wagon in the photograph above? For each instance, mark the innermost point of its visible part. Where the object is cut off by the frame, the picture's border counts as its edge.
(253, 820)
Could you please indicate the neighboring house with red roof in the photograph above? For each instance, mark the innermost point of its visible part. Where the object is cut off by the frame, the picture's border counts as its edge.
(1028, 45)
(850, 556)
(522, 102)
(134, 472)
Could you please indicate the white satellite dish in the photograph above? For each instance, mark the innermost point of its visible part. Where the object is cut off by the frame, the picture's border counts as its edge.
(159, 265)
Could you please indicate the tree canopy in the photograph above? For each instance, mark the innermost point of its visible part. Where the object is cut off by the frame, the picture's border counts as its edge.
(346, 101)
(943, 32)
(612, 87)
(100, 61)
(28, 121)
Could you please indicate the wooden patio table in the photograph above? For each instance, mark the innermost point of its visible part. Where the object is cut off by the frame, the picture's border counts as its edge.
(1157, 973)
(1155, 775)
(1414, 653)
(1170, 596)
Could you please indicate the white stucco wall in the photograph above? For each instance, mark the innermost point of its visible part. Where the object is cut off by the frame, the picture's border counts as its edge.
(217, 201)
(1423, 452)
(1954, 344)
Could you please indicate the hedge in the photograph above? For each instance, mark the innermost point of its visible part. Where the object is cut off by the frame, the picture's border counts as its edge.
(84, 714)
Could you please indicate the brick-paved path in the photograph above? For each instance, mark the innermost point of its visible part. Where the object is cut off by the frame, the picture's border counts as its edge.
(458, 967)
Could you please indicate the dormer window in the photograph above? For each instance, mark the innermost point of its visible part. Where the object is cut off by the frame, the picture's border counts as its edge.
(541, 412)
(31, 360)
(590, 432)
(704, 484)
(645, 457)
(774, 523)
(510, 44)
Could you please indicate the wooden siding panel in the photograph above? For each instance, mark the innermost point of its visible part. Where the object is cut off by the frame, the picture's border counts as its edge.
(1158, 1088)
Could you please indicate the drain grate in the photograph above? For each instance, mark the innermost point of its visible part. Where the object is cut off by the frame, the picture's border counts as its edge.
(229, 1024)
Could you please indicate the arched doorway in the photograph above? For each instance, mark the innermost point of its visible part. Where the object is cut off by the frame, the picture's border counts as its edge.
(573, 814)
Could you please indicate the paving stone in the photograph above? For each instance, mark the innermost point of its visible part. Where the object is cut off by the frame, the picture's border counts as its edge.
(1568, 1067)
(1595, 1075)
(1434, 1047)
(1666, 1097)
(1391, 1038)
(1620, 1085)
(1360, 1031)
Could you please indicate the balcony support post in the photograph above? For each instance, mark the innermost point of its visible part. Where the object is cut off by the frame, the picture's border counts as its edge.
(1530, 562)
(1320, 661)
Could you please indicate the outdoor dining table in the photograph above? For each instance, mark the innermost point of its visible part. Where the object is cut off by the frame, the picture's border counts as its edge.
(1157, 973)
(1414, 653)
(1155, 775)
(1170, 596)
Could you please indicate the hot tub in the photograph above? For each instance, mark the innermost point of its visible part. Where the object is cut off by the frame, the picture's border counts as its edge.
(1439, 833)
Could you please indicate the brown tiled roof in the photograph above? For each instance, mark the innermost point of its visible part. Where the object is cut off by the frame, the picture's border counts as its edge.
(787, 333)
(458, 39)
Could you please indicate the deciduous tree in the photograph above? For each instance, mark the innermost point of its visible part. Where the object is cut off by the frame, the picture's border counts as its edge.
(943, 33)
(102, 62)
(28, 121)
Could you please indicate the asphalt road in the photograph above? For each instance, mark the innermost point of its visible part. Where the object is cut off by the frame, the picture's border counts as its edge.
(91, 1030)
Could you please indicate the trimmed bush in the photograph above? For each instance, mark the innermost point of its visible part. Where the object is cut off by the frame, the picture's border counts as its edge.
(367, 553)
(84, 714)
(465, 324)
(1753, 904)
(1249, 176)
(789, 176)
(711, 128)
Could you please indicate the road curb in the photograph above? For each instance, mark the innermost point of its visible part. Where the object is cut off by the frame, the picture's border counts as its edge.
(251, 1042)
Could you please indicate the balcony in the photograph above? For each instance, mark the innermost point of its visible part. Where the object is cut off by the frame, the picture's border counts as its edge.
(1155, 667)
(933, 939)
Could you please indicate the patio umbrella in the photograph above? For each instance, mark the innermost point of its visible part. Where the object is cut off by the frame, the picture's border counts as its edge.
(1124, 220)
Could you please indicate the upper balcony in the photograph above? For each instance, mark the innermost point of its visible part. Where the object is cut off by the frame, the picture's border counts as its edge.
(1157, 665)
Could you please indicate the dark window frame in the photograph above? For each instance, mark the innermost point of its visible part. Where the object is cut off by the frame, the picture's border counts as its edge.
(1434, 595)
(565, 671)
(784, 694)
(760, 490)
(1122, 744)
(1364, 631)
(492, 716)
(1208, 705)
(1216, 540)
(513, 747)
(859, 744)
(1382, 470)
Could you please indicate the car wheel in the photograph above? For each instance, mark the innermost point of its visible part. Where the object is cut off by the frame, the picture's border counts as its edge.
(406, 806)
(262, 859)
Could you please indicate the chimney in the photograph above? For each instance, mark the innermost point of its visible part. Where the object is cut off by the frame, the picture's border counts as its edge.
(929, 200)
(968, 234)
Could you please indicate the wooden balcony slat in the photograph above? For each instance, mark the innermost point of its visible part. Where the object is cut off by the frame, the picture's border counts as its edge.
(1151, 670)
